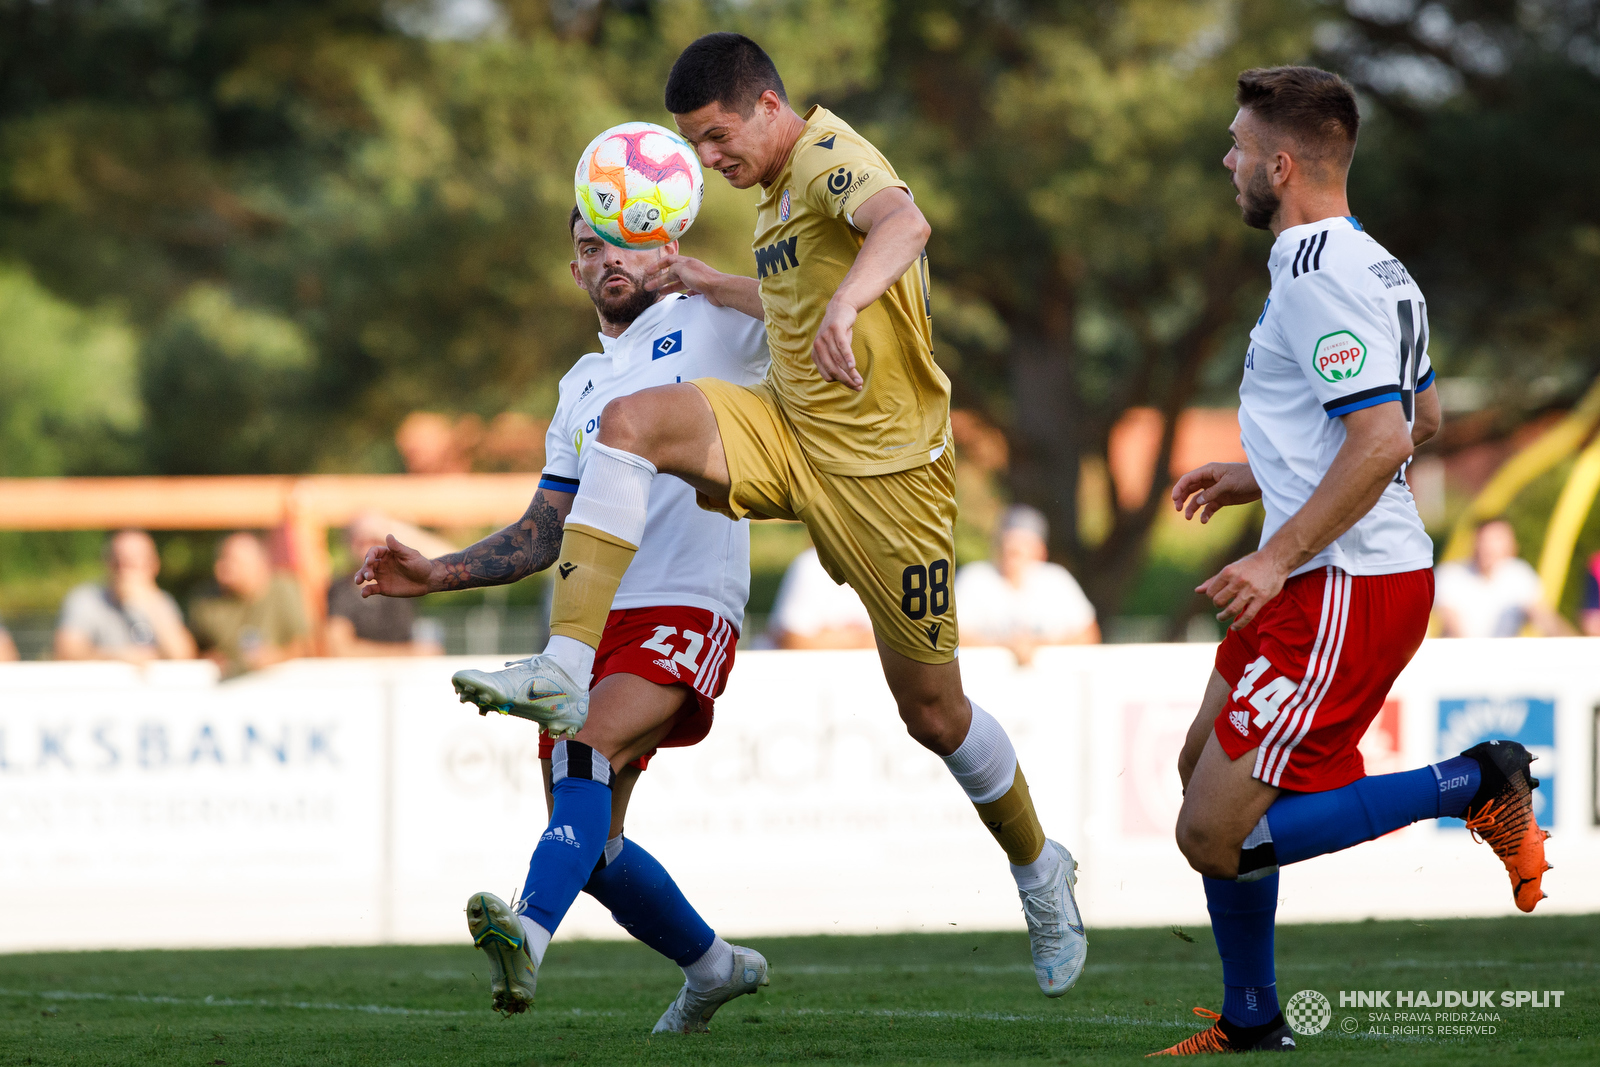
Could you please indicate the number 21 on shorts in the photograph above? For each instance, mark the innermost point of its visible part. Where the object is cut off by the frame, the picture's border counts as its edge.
(689, 657)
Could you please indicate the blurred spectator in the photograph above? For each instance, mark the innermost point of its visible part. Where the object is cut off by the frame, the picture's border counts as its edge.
(257, 618)
(1589, 612)
(1022, 600)
(813, 611)
(1495, 593)
(8, 647)
(431, 443)
(129, 618)
(378, 625)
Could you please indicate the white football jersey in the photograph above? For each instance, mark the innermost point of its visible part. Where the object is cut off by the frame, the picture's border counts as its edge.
(689, 557)
(1344, 328)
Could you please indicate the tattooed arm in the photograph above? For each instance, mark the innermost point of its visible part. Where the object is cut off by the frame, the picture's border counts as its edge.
(510, 555)
(529, 545)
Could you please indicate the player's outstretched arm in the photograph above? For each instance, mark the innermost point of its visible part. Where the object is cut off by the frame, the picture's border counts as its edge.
(521, 549)
(896, 234)
(1211, 488)
(1377, 442)
(684, 274)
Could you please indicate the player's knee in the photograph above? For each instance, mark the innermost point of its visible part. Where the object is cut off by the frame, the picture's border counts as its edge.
(1205, 850)
(623, 424)
(931, 724)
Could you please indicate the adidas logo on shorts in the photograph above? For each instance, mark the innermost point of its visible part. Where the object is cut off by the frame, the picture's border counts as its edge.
(1241, 721)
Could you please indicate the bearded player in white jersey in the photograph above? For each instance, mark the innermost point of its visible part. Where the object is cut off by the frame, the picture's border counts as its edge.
(1337, 391)
(667, 646)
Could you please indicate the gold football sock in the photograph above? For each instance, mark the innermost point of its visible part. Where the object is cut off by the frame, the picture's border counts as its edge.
(587, 574)
(1014, 823)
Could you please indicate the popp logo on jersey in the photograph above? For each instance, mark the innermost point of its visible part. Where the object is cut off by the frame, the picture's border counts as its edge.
(1340, 356)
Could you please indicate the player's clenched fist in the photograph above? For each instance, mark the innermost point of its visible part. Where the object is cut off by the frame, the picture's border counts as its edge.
(393, 569)
(831, 351)
(1213, 487)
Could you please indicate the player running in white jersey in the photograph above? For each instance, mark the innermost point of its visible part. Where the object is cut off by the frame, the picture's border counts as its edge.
(1337, 391)
(666, 650)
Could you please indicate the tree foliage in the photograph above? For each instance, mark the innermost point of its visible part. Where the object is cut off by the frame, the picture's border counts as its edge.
(312, 218)
(68, 390)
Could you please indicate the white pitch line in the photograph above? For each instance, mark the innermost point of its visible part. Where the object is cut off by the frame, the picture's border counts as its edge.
(228, 1002)
(384, 1009)
(231, 1002)
(991, 1016)
(1102, 1020)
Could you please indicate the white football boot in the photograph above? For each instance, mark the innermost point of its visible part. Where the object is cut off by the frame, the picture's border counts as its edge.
(1055, 929)
(536, 688)
(512, 972)
(691, 1013)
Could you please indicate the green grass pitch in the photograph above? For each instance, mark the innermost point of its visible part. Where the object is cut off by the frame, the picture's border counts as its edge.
(926, 998)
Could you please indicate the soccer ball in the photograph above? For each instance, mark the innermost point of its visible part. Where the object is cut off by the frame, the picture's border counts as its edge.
(639, 185)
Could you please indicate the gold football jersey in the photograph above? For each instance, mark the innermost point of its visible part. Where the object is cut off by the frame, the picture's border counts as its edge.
(804, 246)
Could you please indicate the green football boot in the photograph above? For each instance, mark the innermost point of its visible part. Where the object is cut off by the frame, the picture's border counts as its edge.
(498, 932)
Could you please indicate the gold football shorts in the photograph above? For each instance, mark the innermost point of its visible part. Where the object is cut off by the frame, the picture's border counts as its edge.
(890, 536)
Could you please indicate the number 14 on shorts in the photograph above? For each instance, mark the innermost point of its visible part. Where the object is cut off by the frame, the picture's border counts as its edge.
(1268, 700)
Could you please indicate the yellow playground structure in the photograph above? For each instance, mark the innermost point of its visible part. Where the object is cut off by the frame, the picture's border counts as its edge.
(1576, 433)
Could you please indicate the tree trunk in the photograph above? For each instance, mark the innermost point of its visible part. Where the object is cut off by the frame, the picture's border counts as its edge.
(1047, 439)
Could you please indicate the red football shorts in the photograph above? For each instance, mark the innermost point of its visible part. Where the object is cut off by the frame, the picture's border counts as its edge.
(689, 647)
(1312, 669)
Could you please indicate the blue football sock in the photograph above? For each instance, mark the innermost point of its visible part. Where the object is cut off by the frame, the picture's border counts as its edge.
(1459, 778)
(1243, 919)
(1303, 825)
(646, 902)
(576, 837)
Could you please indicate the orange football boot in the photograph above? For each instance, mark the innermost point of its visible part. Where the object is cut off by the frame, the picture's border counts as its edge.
(1501, 815)
(1215, 1039)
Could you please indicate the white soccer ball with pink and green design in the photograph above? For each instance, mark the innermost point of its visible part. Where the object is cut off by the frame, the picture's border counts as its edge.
(639, 185)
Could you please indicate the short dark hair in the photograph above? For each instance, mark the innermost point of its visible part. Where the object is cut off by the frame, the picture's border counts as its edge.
(722, 68)
(572, 222)
(1315, 107)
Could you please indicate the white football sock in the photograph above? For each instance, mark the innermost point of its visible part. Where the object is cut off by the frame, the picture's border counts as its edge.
(575, 657)
(538, 938)
(711, 970)
(1039, 872)
(613, 492)
(985, 764)
(614, 849)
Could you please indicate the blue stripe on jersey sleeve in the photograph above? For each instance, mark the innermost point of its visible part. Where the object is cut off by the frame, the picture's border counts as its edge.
(558, 484)
(1427, 380)
(1367, 398)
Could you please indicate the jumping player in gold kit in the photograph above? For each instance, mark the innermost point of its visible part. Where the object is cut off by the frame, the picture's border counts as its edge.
(849, 433)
